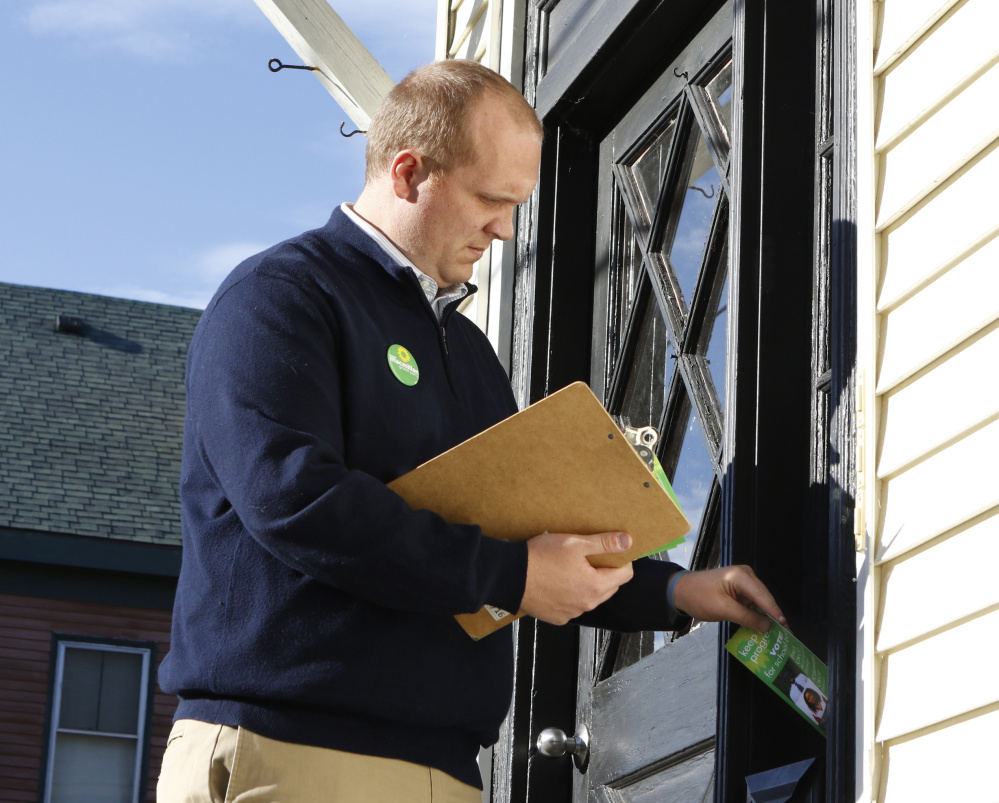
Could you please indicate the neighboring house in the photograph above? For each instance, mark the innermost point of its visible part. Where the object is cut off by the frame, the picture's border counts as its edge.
(91, 417)
(769, 228)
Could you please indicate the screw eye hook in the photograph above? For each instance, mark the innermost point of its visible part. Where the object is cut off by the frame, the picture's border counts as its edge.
(702, 191)
(345, 134)
(274, 65)
(685, 75)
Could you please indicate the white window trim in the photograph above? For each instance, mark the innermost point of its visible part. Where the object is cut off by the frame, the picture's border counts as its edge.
(53, 724)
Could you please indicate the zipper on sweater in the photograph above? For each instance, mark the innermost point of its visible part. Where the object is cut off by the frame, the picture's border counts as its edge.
(447, 312)
(446, 357)
(441, 325)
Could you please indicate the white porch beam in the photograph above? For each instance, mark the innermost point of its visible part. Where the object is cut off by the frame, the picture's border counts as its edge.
(349, 72)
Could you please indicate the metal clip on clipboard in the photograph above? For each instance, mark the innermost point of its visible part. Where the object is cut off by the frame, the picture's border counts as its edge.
(643, 440)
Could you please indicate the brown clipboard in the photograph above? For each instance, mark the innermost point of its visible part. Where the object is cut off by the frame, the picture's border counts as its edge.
(561, 465)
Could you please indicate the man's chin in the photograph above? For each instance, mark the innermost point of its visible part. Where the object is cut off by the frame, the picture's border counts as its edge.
(459, 274)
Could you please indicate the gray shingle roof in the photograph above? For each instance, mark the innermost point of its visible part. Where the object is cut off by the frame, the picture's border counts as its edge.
(91, 423)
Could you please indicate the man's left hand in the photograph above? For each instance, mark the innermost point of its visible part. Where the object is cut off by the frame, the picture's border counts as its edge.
(729, 593)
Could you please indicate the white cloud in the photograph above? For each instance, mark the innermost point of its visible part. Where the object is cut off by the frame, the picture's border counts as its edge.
(157, 30)
(214, 264)
(173, 31)
(194, 299)
(195, 282)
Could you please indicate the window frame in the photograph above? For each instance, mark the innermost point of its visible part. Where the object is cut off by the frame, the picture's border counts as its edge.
(147, 691)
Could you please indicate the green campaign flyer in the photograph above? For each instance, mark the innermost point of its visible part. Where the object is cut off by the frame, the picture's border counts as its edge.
(657, 470)
(788, 667)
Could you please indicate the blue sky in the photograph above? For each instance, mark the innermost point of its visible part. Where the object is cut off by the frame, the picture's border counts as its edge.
(146, 148)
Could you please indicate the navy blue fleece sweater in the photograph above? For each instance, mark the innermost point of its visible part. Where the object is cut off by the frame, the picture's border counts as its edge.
(313, 605)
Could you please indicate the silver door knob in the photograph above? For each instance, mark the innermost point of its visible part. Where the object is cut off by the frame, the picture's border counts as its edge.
(553, 743)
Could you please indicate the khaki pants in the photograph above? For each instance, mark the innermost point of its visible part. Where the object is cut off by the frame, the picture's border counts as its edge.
(217, 764)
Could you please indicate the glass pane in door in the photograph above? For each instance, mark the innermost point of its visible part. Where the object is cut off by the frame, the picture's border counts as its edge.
(647, 172)
(648, 379)
(720, 92)
(626, 271)
(693, 223)
(717, 346)
(692, 482)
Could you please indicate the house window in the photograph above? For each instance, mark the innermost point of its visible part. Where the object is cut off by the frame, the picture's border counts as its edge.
(98, 724)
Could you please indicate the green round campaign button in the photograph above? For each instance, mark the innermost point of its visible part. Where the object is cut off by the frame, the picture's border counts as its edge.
(403, 365)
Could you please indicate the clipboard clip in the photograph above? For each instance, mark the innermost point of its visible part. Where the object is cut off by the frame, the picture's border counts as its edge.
(643, 440)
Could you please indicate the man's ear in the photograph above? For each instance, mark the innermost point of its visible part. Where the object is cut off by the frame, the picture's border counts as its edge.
(408, 171)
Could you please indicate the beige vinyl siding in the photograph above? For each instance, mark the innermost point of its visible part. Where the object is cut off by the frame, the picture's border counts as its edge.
(936, 513)
(914, 250)
(470, 29)
(490, 32)
(946, 764)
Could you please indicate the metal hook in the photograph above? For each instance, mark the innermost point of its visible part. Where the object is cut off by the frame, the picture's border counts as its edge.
(702, 192)
(684, 75)
(275, 64)
(355, 131)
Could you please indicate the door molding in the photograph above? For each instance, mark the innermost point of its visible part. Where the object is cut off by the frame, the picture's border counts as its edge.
(768, 432)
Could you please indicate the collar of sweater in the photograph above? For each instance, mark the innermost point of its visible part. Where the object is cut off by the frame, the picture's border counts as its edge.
(343, 229)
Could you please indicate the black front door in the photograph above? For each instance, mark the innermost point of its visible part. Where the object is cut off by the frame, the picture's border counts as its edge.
(668, 259)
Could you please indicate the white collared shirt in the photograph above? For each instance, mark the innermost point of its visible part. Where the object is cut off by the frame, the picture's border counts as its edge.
(438, 298)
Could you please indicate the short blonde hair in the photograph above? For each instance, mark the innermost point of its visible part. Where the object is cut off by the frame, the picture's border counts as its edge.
(428, 112)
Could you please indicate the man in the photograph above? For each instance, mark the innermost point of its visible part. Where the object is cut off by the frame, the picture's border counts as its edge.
(314, 648)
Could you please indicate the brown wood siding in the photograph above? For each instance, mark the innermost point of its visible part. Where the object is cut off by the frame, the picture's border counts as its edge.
(26, 627)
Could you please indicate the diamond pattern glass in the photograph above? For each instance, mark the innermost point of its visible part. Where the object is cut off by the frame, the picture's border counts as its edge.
(647, 172)
(691, 484)
(694, 223)
(720, 92)
(717, 348)
(690, 258)
(648, 380)
(630, 268)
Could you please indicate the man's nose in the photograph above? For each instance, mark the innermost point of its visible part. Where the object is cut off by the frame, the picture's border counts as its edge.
(501, 226)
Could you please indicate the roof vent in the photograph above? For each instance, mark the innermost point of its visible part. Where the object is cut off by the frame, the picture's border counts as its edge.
(69, 324)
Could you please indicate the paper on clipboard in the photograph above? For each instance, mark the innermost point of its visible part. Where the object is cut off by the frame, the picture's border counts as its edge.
(561, 465)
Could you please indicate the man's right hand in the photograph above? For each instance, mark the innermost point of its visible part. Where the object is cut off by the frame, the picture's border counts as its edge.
(561, 583)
